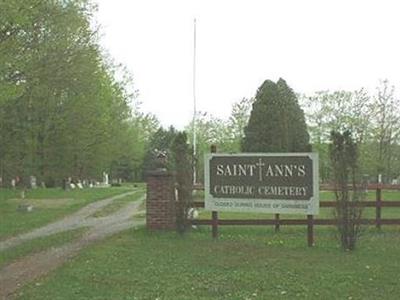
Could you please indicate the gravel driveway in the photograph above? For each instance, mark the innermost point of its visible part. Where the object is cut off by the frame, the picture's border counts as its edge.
(33, 266)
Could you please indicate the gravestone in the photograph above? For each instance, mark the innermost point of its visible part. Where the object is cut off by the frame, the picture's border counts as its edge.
(105, 178)
(25, 208)
(365, 182)
(105, 181)
(32, 182)
(65, 184)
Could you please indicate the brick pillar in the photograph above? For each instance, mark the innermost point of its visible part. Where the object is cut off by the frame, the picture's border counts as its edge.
(160, 201)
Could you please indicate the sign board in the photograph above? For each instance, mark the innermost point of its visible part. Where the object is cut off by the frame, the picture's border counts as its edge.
(262, 182)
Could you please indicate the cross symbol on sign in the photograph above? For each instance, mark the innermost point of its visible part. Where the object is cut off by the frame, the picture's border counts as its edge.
(260, 164)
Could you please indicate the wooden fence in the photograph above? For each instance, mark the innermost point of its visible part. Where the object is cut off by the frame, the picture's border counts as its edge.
(310, 221)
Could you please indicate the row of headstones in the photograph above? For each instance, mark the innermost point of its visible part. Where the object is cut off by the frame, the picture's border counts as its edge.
(67, 183)
(15, 182)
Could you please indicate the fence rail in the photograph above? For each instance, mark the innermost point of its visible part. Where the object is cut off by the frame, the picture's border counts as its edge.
(290, 222)
(378, 204)
(370, 186)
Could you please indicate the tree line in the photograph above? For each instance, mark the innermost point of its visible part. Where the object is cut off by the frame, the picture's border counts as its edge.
(373, 119)
(63, 112)
(67, 110)
(279, 120)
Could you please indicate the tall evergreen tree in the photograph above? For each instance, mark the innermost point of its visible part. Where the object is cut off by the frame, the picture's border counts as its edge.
(277, 122)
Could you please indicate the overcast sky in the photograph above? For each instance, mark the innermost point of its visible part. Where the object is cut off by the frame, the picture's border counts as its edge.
(313, 45)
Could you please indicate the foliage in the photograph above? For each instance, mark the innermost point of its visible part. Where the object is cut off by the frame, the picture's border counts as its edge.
(225, 134)
(344, 155)
(160, 143)
(209, 131)
(373, 119)
(338, 110)
(133, 142)
(386, 131)
(276, 122)
(182, 156)
(63, 113)
(240, 114)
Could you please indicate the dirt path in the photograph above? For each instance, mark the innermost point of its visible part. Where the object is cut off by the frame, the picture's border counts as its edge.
(29, 268)
(81, 218)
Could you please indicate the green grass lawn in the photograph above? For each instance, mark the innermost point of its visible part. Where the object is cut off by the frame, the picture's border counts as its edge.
(49, 205)
(39, 244)
(245, 263)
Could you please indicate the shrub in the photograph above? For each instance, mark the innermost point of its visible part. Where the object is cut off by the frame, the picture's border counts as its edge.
(344, 157)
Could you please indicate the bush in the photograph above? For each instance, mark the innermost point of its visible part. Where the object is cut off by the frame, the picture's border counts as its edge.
(344, 158)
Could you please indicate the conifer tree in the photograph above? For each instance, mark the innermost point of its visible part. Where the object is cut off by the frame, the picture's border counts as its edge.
(277, 122)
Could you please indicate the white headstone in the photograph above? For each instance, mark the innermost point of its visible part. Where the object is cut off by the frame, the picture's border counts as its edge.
(105, 178)
(32, 181)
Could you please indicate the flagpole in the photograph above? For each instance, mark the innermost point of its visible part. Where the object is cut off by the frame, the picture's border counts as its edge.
(194, 105)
